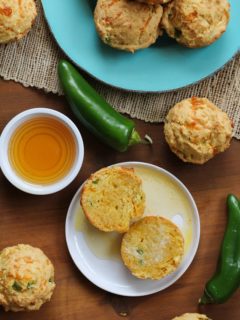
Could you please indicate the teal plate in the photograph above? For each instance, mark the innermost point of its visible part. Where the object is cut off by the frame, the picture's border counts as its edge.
(162, 67)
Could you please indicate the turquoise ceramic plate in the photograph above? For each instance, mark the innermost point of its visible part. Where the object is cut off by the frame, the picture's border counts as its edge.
(162, 67)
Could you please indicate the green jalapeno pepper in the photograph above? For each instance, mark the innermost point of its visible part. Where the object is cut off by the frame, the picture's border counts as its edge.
(226, 280)
(94, 112)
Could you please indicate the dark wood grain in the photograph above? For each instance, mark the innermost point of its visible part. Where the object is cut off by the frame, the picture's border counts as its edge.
(40, 220)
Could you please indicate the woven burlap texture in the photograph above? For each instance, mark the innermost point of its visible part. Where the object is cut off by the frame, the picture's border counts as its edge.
(33, 61)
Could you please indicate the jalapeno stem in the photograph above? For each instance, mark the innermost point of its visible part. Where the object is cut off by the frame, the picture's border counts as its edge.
(136, 139)
(205, 299)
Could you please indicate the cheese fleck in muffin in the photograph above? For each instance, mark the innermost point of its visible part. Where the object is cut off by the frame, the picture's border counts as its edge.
(26, 278)
(16, 19)
(152, 248)
(192, 316)
(196, 23)
(196, 130)
(126, 24)
(112, 197)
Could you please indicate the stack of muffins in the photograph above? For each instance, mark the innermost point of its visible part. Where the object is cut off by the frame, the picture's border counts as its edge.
(136, 24)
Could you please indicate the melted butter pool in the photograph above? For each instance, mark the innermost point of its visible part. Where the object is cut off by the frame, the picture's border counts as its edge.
(104, 245)
(164, 197)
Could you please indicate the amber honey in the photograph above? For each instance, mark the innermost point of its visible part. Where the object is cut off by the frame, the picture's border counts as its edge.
(42, 150)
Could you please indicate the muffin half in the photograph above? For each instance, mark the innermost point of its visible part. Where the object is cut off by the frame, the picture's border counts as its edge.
(112, 197)
(152, 248)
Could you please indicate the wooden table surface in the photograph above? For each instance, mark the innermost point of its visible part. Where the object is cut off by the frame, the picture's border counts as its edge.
(40, 221)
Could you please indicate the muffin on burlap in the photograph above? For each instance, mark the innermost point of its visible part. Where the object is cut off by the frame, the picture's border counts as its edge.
(16, 19)
(196, 130)
(112, 197)
(127, 25)
(196, 23)
(26, 278)
(192, 316)
(152, 248)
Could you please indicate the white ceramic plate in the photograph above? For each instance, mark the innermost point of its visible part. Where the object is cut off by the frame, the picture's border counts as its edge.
(108, 272)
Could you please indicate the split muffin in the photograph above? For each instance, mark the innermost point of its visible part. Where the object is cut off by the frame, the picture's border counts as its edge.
(126, 24)
(196, 23)
(152, 248)
(16, 19)
(196, 130)
(112, 198)
(26, 278)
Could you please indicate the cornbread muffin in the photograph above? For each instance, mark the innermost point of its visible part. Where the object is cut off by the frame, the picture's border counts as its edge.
(112, 197)
(127, 25)
(196, 130)
(196, 23)
(152, 248)
(16, 19)
(192, 316)
(26, 278)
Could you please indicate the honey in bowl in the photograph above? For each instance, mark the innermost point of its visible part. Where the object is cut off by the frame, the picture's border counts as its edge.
(42, 150)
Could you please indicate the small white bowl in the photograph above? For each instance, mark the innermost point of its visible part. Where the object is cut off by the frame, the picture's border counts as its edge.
(10, 173)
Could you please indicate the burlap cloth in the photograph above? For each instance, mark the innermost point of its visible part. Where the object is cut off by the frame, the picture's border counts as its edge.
(33, 60)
